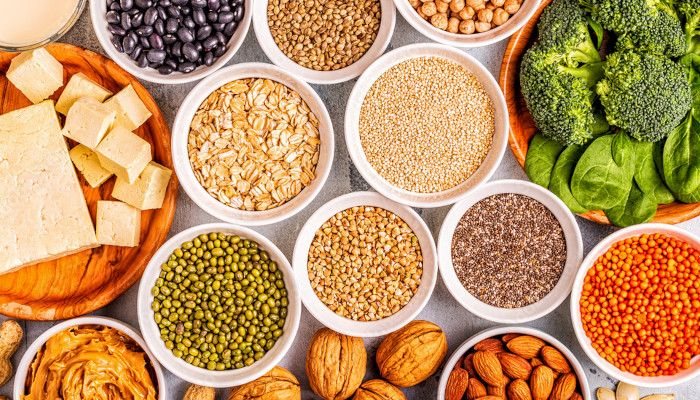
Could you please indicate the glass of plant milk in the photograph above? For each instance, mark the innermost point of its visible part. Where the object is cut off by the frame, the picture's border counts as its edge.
(26, 24)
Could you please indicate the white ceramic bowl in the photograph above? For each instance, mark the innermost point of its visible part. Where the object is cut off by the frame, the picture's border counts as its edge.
(585, 342)
(469, 343)
(28, 357)
(201, 376)
(561, 290)
(346, 325)
(352, 119)
(262, 32)
(516, 21)
(98, 9)
(181, 129)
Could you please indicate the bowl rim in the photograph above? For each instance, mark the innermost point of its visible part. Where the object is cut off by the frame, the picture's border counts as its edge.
(373, 73)
(473, 40)
(345, 325)
(549, 302)
(277, 57)
(28, 356)
(585, 342)
(201, 376)
(501, 330)
(98, 8)
(180, 132)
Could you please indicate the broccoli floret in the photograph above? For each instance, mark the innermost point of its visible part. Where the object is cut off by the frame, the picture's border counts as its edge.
(690, 12)
(563, 26)
(644, 94)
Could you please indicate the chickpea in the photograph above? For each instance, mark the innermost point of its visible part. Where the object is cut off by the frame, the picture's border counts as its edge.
(422, 14)
(511, 6)
(500, 16)
(453, 25)
(415, 3)
(490, 6)
(485, 15)
(439, 21)
(482, 26)
(429, 8)
(477, 4)
(497, 3)
(456, 5)
(442, 6)
(467, 26)
(467, 13)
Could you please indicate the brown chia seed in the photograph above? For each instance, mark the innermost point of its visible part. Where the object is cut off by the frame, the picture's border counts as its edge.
(508, 250)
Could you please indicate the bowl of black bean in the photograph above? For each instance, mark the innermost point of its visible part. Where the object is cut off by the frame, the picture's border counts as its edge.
(171, 41)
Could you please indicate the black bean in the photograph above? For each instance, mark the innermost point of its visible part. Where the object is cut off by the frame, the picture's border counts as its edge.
(230, 28)
(218, 27)
(115, 6)
(186, 10)
(128, 44)
(203, 32)
(185, 35)
(126, 5)
(156, 42)
(186, 67)
(113, 17)
(159, 26)
(225, 17)
(144, 30)
(170, 62)
(117, 42)
(136, 53)
(176, 49)
(174, 11)
(225, 8)
(156, 56)
(162, 14)
(198, 46)
(137, 20)
(189, 23)
(238, 14)
(143, 4)
(171, 25)
(219, 51)
(212, 16)
(189, 51)
(150, 16)
(208, 59)
(142, 61)
(221, 38)
(165, 70)
(213, 4)
(165, 3)
(179, 2)
(169, 39)
(198, 3)
(126, 20)
(210, 42)
(145, 43)
(116, 30)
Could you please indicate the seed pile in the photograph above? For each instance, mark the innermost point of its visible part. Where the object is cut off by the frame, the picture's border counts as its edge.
(365, 263)
(426, 125)
(220, 302)
(508, 250)
(254, 144)
(324, 35)
(466, 16)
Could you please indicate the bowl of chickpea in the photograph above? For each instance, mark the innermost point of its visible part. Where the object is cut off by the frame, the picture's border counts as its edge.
(467, 23)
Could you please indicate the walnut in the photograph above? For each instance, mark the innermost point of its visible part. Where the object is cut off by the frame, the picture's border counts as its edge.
(377, 389)
(278, 384)
(335, 364)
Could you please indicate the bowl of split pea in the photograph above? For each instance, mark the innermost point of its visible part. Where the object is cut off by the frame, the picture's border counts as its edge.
(218, 305)
(635, 305)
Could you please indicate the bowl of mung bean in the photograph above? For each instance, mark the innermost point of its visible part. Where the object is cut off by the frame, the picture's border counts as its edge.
(425, 124)
(218, 305)
(365, 265)
(252, 144)
(467, 23)
(324, 42)
(509, 251)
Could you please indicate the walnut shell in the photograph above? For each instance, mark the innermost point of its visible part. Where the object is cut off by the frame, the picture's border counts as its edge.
(335, 364)
(277, 384)
(377, 389)
(412, 354)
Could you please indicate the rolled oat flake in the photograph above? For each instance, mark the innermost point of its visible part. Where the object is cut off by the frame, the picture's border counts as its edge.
(508, 250)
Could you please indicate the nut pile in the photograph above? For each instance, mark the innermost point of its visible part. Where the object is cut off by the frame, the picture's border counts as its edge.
(426, 125)
(324, 35)
(254, 144)
(466, 16)
(516, 367)
(365, 263)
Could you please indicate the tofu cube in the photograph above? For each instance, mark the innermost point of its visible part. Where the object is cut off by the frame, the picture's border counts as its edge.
(80, 86)
(148, 192)
(131, 112)
(88, 121)
(124, 153)
(36, 73)
(88, 164)
(118, 224)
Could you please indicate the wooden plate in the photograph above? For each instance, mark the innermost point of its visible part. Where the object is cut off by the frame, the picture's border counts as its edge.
(522, 127)
(83, 282)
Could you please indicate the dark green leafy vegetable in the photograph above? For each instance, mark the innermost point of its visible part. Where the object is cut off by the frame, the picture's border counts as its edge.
(540, 159)
(561, 176)
(682, 161)
(647, 177)
(636, 209)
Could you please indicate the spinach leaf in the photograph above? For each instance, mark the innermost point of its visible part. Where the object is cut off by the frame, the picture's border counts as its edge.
(540, 159)
(638, 208)
(561, 176)
(603, 175)
(646, 175)
(658, 155)
(682, 161)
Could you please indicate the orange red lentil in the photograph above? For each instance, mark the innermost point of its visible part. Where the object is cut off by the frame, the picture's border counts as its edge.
(640, 305)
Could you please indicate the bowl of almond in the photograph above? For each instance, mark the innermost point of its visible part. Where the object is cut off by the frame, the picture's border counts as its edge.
(516, 363)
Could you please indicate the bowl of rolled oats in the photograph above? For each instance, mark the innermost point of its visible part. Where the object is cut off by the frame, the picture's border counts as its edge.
(252, 144)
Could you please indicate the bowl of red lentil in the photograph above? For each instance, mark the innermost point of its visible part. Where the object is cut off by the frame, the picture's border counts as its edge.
(635, 305)
(425, 124)
(509, 251)
(365, 266)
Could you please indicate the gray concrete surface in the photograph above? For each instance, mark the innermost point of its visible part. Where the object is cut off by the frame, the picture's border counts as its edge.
(442, 308)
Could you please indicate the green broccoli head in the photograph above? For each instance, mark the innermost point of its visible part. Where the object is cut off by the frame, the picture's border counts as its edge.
(563, 26)
(644, 94)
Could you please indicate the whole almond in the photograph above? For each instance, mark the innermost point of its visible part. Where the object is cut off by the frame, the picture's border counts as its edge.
(525, 346)
(564, 387)
(488, 367)
(519, 390)
(514, 366)
(468, 364)
(490, 344)
(541, 382)
(555, 360)
(457, 384)
(499, 390)
(475, 389)
(509, 336)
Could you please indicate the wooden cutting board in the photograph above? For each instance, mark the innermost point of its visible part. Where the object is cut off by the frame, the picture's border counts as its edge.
(522, 127)
(83, 282)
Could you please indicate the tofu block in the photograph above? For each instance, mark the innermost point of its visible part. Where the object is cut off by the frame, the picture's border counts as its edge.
(36, 73)
(118, 224)
(148, 192)
(43, 212)
(80, 86)
(88, 164)
(131, 112)
(88, 121)
(124, 153)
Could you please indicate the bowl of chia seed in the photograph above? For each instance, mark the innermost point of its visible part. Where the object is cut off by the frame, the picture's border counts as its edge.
(509, 251)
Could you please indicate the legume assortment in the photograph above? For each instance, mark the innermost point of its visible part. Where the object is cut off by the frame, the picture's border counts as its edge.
(640, 305)
(220, 302)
